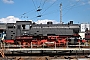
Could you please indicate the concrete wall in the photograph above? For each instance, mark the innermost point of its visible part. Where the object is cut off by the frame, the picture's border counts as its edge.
(84, 26)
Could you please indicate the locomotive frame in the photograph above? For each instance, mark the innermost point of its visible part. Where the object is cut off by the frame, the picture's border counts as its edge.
(27, 33)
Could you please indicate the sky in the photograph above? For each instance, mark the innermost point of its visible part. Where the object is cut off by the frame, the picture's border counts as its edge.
(72, 10)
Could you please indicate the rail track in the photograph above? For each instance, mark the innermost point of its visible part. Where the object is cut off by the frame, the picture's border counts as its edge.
(44, 58)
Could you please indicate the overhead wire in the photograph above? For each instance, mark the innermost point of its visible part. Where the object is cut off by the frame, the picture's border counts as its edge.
(43, 3)
(52, 12)
(24, 14)
(28, 12)
(40, 8)
(46, 9)
(43, 6)
(49, 7)
(35, 9)
(40, 2)
(57, 10)
(72, 6)
(35, 6)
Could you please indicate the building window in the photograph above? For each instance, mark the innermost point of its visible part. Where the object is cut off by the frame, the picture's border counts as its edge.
(25, 26)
